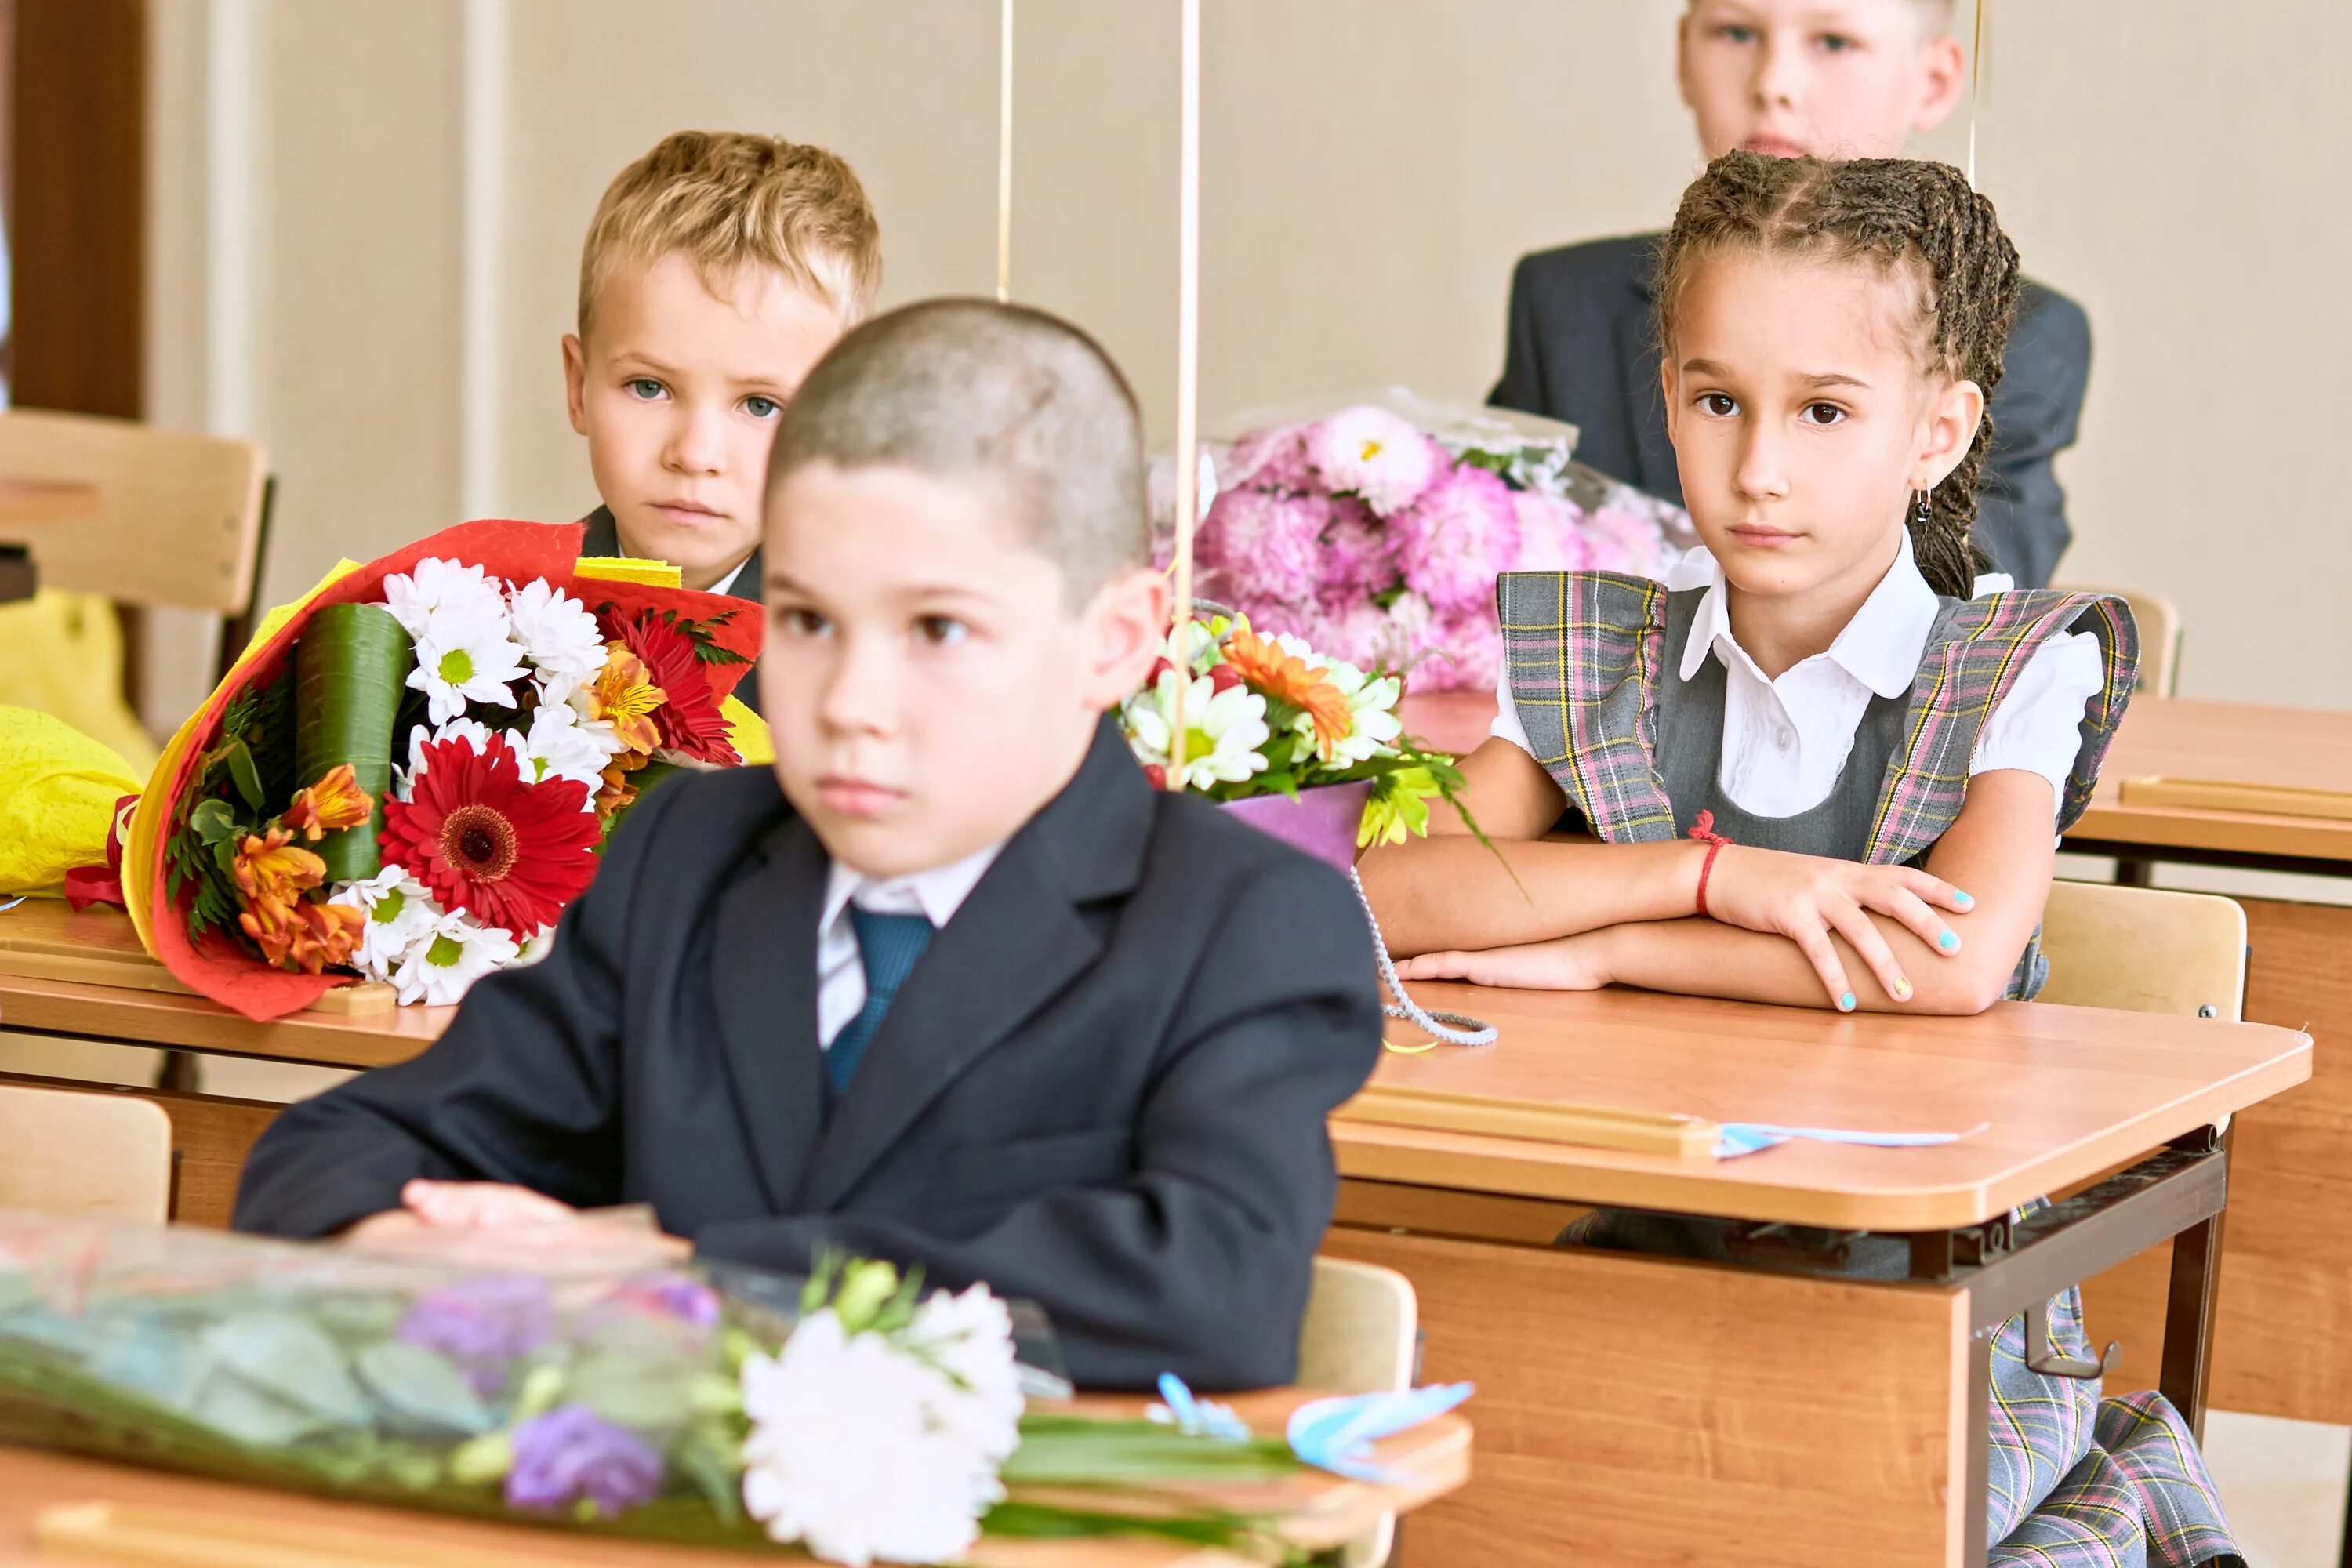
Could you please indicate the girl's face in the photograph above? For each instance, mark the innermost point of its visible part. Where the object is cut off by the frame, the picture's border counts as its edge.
(1801, 421)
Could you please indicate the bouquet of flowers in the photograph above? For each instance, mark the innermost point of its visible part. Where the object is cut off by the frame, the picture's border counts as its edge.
(413, 770)
(858, 1417)
(1269, 718)
(1380, 543)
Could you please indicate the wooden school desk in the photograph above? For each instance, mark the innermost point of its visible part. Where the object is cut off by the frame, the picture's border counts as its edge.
(245, 1523)
(84, 976)
(1639, 1410)
(2282, 1343)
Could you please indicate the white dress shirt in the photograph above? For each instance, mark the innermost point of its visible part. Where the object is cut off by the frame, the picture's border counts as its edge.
(1785, 741)
(935, 894)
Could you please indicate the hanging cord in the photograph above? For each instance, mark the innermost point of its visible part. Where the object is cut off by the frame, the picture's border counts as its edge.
(1467, 1030)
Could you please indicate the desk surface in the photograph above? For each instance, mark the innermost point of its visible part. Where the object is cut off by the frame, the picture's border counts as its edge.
(2236, 742)
(1315, 1509)
(2068, 1092)
(24, 502)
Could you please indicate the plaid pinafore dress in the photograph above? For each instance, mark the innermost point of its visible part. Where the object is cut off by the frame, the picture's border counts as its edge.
(2074, 1480)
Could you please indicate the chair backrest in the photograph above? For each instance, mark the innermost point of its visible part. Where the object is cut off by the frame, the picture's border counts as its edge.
(1362, 1325)
(1359, 1334)
(79, 1154)
(2144, 950)
(179, 517)
(2159, 640)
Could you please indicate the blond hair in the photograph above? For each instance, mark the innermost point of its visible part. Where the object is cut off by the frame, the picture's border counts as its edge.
(728, 199)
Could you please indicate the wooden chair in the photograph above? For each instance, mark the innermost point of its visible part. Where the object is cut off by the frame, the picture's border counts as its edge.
(2142, 950)
(2159, 639)
(1359, 1337)
(180, 520)
(78, 1154)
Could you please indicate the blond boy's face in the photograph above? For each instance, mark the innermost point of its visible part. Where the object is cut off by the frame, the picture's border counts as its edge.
(679, 389)
(1825, 78)
(927, 685)
(1801, 421)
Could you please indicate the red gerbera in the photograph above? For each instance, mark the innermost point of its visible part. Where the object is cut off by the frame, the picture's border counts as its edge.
(509, 852)
(689, 719)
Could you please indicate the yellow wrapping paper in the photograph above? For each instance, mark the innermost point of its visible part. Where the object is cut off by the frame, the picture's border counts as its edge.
(58, 790)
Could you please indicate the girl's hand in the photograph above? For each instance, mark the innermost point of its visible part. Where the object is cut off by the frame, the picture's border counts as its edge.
(1806, 897)
(1565, 963)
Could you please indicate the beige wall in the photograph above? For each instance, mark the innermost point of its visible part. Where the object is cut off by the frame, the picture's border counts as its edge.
(1371, 167)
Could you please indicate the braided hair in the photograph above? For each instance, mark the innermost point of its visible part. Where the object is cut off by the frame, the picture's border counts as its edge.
(1911, 218)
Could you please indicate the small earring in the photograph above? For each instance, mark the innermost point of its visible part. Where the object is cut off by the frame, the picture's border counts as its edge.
(1919, 514)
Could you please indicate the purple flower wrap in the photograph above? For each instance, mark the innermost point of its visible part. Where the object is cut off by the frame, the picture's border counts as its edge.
(571, 1453)
(483, 1324)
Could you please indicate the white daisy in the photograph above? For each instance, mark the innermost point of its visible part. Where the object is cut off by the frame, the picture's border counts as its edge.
(482, 735)
(447, 955)
(560, 746)
(465, 657)
(1223, 730)
(397, 907)
(558, 635)
(438, 587)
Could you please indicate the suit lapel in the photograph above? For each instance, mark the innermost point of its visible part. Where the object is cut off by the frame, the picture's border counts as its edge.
(763, 972)
(1016, 944)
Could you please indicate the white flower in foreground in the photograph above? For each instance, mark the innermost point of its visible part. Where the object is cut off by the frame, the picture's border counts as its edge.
(439, 588)
(856, 1451)
(560, 746)
(447, 956)
(1373, 453)
(1223, 730)
(467, 657)
(558, 635)
(397, 907)
(969, 1336)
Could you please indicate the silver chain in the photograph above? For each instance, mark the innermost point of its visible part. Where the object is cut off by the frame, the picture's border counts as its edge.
(1466, 1030)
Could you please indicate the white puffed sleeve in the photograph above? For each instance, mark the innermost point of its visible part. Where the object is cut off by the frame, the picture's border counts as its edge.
(1506, 725)
(2038, 726)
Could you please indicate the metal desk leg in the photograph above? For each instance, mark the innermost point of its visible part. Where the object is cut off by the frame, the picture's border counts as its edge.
(1974, 1545)
(2189, 1316)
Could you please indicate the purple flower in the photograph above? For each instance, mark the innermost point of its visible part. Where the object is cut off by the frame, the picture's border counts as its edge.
(483, 1323)
(1360, 558)
(571, 1453)
(1271, 458)
(1458, 538)
(671, 1295)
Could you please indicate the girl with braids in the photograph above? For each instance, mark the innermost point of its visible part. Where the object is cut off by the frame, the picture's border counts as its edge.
(1784, 775)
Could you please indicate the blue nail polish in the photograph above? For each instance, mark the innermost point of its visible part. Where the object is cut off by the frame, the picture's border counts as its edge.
(1965, 901)
(1949, 941)
(1846, 1003)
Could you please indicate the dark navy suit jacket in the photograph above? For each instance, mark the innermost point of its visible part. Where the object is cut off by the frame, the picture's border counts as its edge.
(1103, 1088)
(1583, 348)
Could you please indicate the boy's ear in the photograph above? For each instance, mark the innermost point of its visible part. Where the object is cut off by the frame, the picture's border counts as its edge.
(575, 382)
(1127, 630)
(1943, 74)
(1952, 421)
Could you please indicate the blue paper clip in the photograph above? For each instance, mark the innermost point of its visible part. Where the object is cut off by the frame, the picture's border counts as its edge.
(1195, 1417)
(1337, 1434)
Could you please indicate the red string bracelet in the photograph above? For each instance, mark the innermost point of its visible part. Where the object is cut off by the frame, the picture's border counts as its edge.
(1703, 829)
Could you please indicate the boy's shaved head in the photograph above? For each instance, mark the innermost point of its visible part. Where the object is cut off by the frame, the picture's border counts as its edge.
(970, 388)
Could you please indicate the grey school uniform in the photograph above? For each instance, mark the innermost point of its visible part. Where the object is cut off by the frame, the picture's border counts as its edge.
(2074, 1482)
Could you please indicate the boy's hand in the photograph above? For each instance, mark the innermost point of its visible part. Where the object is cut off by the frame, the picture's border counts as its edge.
(481, 1205)
(1806, 897)
(1565, 963)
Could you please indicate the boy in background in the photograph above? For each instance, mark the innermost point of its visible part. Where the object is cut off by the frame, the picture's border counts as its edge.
(717, 270)
(951, 986)
(1829, 79)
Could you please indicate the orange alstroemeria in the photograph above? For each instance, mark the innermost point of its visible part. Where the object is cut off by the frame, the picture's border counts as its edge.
(618, 794)
(273, 869)
(1286, 678)
(335, 802)
(303, 935)
(626, 698)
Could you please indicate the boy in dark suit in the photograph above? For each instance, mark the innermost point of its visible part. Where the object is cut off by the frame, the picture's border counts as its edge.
(1849, 78)
(953, 985)
(717, 270)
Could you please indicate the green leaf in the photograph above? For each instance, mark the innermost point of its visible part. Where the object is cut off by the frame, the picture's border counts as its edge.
(291, 1358)
(238, 757)
(424, 1386)
(711, 1458)
(351, 670)
(649, 1394)
(212, 821)
(234, 1404)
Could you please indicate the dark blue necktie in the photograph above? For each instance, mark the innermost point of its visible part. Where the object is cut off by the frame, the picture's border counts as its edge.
(887, 945)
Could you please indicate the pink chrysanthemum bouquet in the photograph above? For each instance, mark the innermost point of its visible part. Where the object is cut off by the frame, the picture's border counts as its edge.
(1380, 544)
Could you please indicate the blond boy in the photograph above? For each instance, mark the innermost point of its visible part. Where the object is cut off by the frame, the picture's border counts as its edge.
(1832, 78)
(717, 270)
